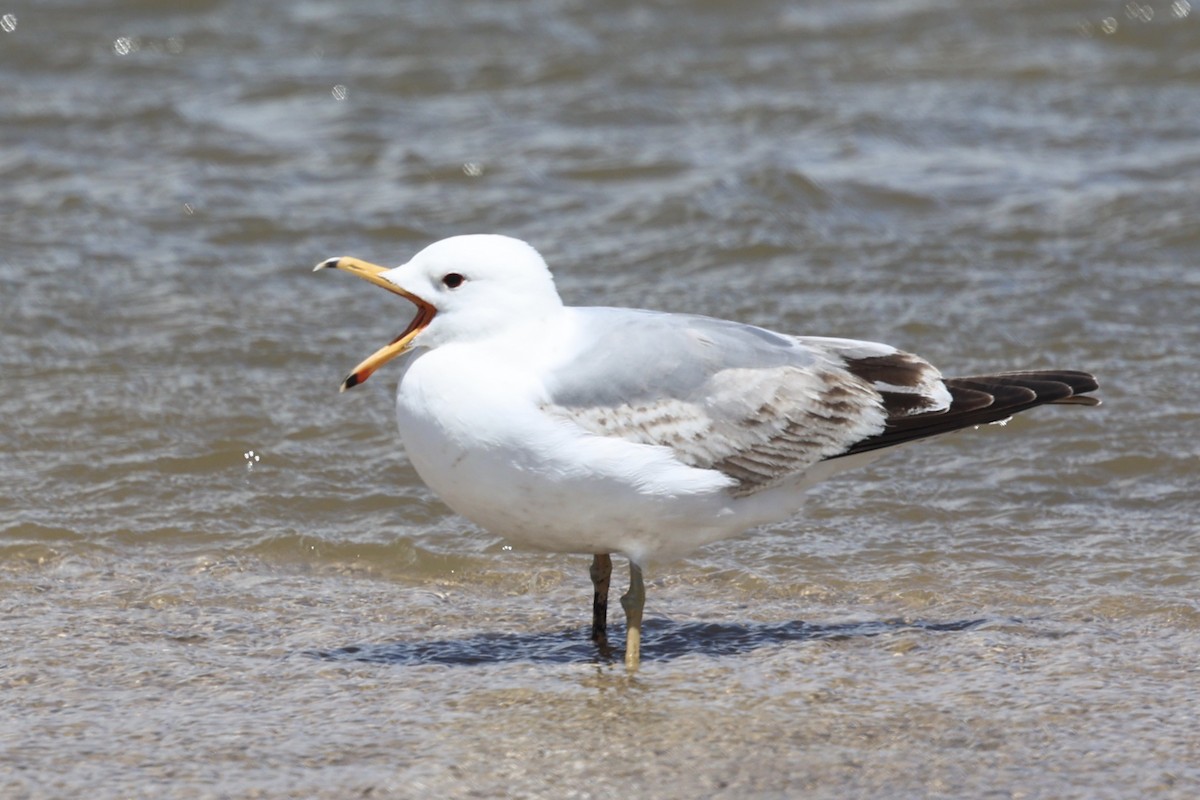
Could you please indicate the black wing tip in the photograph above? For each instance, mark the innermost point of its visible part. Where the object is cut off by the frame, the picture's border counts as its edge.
(980, 399)
(1079, 381)
(1019, 391)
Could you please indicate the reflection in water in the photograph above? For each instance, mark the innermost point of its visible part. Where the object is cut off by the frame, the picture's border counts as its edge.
(668, 641)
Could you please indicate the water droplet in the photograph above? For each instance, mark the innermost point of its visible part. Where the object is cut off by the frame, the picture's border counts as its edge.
(252, 458)
(175, 45)
(187, 209)
(8, 23)
(1181, 8)
(472, 169)
(339, 92)
(124, 45)
(1109, 25)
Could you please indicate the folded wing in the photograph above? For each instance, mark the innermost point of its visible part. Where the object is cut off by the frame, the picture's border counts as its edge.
(762, 408)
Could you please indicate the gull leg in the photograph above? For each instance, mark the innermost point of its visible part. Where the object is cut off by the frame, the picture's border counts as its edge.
(633, 601)
(601, 571)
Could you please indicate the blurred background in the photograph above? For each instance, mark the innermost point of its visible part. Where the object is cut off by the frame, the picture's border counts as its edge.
(221, 578)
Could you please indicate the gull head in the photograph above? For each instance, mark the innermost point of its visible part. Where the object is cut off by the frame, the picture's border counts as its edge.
(465, 288)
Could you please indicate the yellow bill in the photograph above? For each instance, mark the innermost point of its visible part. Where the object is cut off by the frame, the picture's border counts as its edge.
(374, 273)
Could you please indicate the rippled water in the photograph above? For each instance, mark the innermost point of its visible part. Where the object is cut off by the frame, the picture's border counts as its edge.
(219, 578)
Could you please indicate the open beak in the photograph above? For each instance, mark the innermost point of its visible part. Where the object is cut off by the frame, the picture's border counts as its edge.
(374, 274)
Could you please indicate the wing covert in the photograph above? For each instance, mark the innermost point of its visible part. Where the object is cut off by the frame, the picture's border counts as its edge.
(757, 406)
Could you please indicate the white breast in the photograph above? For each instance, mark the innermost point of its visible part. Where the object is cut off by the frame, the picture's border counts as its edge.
(471, 420)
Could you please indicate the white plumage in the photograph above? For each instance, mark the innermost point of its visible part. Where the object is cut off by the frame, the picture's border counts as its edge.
(610, 430)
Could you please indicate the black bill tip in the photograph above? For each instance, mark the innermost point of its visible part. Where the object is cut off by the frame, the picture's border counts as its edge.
(350, 382)
(328, 263)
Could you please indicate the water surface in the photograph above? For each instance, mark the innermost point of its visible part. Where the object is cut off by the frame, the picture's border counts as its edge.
(219, 578)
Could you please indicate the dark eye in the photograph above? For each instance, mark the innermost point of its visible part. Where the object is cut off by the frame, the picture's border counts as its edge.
(453, 280)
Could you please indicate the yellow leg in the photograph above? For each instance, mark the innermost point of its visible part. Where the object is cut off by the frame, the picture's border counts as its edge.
(601, 571)
(633, 602)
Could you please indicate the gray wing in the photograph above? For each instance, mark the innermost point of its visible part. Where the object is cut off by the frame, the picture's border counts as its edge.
(758, 406)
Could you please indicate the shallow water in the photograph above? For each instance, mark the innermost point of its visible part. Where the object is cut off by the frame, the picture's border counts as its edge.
(219, 578)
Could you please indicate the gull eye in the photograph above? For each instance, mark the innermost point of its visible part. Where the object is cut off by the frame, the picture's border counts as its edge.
(453, 280)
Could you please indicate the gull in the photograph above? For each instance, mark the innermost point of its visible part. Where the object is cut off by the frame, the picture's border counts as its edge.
(642, 433)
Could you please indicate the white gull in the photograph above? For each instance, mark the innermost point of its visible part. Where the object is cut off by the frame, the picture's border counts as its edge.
(615, 430)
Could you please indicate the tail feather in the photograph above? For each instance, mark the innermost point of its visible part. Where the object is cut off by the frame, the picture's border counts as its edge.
(980, 399)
